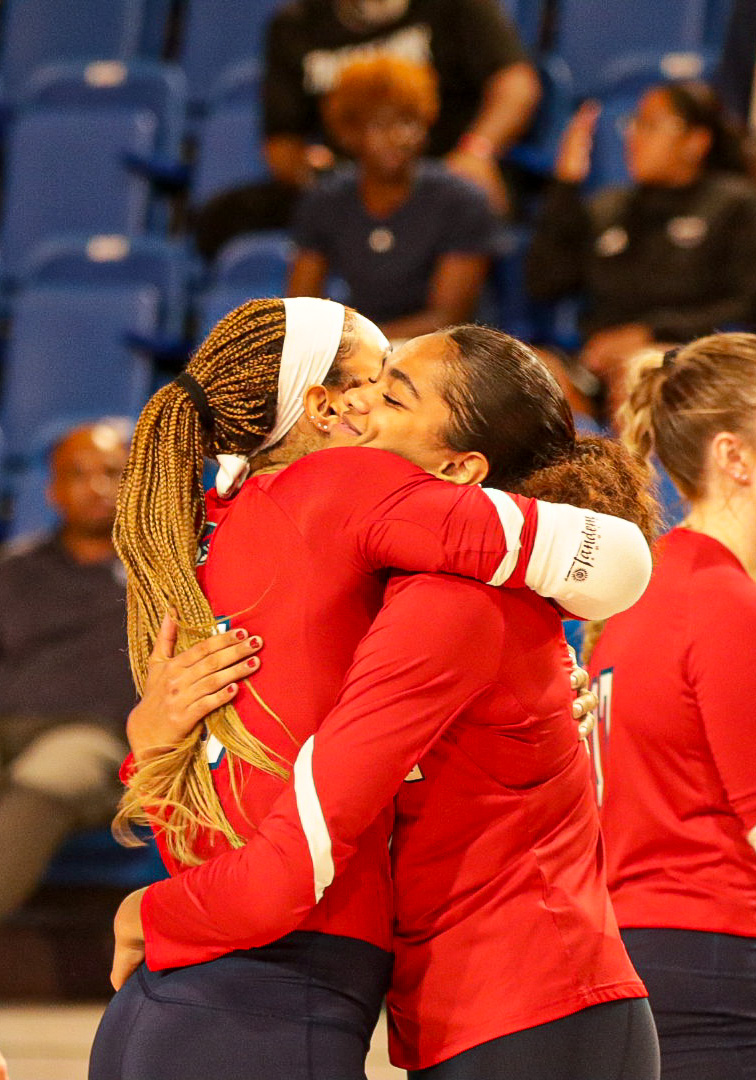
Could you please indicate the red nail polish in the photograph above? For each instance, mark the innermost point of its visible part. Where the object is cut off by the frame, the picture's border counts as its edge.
(253, 663)
(241, 634)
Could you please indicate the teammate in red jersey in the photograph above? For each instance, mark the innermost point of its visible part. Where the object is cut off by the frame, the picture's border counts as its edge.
(677, 772)
(616, 979)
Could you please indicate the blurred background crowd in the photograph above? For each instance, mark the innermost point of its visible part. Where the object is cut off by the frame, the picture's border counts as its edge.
(579, 173)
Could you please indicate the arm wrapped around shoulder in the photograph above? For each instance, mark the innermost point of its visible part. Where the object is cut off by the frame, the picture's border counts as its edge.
(594, 565)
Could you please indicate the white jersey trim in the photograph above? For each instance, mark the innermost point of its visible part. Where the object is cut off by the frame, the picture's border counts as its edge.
(312, 820)
(512, 521)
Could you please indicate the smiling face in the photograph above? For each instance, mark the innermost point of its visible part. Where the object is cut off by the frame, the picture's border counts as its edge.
(402, 408)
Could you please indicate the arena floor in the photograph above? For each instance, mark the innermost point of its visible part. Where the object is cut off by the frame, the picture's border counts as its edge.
(51, 1042)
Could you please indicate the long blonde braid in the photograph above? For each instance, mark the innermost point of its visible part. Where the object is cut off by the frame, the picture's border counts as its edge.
(159, 521)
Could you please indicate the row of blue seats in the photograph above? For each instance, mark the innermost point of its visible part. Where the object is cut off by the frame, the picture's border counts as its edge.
(217, 34)
(93, 317)
(98, 147)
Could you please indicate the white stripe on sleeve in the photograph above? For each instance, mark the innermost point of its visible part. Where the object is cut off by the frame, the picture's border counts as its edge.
(312, 820)
(512, 521)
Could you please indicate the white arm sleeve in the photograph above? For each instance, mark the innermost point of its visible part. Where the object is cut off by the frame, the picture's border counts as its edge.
(593, 565)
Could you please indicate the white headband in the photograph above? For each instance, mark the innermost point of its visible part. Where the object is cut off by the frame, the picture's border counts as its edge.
(311, 341)
(313, 335)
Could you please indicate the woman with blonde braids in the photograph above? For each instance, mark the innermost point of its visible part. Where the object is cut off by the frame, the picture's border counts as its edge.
(297, 554)
(677, 771)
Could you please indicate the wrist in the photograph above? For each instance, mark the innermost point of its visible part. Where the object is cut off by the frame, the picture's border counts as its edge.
(478, 146)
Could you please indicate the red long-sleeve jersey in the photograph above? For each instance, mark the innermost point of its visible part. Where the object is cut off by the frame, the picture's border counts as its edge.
(675, 746)
(502, 915)
(298, 557)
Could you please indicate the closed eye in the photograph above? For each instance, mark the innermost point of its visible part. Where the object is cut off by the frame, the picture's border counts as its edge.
(393, 402)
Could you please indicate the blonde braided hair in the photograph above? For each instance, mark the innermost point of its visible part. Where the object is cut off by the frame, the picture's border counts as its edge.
(159, 521)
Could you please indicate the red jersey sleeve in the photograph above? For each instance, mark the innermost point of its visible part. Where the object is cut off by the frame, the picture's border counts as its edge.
(395, 515)
(400, 695)
(724, 679)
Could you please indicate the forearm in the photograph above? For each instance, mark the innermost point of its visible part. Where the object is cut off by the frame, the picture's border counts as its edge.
(509, 102)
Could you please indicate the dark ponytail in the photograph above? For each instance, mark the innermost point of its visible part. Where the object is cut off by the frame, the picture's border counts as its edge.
(507, 405)
(699, 105)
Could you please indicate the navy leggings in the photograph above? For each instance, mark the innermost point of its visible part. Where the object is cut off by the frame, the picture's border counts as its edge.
(614, 1041)
(303, 1008)
(702, 989)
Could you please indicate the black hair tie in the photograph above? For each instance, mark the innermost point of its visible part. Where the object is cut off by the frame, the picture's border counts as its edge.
(668, 360)
(197, 393)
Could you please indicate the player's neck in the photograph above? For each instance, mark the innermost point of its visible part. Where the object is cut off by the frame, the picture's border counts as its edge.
(732, 522)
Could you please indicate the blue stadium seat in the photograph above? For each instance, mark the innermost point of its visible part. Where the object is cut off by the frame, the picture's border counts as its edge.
(249, 266)
(25, 491)
(229, 136)
(93, 857)
(537, 151)
(107, 85)
(101, 261)
(80, 152)
(717, 17)
(589, 34)
(219, 34)
(528, 17)
(512, 309)
(37, 32)
(68, 355)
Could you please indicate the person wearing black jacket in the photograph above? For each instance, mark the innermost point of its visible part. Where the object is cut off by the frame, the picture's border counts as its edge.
(666, 259)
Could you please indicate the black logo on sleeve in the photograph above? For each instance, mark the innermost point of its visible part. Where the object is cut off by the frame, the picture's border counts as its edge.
(585, 557)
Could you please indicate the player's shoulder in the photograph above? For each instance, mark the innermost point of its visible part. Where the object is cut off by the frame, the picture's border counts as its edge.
(717, 584)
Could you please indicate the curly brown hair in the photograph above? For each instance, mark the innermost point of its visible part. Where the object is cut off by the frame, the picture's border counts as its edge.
(366, 85)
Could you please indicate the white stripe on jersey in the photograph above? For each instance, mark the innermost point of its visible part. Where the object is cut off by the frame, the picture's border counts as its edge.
(312, 820)
(512, 521)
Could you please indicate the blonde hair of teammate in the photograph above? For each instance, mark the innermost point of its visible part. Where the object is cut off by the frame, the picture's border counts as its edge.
(677, 402)
(159, 522)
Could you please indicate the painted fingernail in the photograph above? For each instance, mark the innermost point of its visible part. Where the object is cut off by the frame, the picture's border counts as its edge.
(253, 663)
(241, 634)
(231, 688)
(255, 642)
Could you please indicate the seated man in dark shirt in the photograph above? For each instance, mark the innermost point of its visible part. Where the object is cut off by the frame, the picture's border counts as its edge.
(65, 685)
(488, 91)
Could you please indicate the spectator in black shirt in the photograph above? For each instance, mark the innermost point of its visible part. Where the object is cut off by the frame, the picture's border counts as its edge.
(666, 259)
(487, 85)
(65, 685)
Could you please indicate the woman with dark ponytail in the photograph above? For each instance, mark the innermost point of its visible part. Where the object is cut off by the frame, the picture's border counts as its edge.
(667, 257)
(676, 768)
(507, 960)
